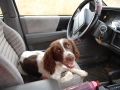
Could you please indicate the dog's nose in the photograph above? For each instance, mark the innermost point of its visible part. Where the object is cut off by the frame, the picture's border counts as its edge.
(70, 57)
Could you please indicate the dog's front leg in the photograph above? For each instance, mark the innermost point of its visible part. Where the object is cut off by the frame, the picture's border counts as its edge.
(68, 76)
(82, 73)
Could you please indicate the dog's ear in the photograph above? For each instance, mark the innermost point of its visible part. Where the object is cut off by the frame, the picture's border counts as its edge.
(75, 50)
(49, 62)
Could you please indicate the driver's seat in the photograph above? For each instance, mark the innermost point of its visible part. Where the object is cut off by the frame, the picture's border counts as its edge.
(11, 47)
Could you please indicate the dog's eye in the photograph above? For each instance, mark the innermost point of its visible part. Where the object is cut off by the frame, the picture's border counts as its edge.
(67, 44)
(58, 50)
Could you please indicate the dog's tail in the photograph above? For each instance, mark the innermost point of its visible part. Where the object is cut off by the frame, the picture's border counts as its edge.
(20, 68)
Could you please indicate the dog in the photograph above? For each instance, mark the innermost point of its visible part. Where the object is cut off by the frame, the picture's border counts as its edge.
(60, 56)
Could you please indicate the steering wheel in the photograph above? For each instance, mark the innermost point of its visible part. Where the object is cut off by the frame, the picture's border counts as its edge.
(83, 20)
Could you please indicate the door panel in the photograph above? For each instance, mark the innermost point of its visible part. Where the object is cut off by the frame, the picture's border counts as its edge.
(40, 31)
(42, 40)
(34, 24)
(41, 24)
(63, 22)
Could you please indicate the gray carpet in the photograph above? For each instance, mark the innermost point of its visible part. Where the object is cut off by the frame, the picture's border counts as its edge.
(95, 73)
(99, 72)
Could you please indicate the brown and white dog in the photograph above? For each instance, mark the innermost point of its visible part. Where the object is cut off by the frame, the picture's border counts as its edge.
(59, 57)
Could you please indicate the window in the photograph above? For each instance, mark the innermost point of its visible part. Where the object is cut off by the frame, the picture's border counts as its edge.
(1, 12)
(47, 7)
(114, 3)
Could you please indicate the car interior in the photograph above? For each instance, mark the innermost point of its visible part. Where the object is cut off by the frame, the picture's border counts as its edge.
(94, 27)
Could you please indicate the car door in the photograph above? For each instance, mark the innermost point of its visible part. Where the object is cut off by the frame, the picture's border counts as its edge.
(43, 21)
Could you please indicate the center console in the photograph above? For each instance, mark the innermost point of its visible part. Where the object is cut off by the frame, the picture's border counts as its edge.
(110, 87)
(111, 84)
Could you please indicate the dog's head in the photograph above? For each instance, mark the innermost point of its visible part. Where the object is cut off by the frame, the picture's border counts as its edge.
(63, 51)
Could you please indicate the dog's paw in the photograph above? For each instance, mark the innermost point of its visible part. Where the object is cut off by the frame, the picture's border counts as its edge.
(68, 76)
(83, 73)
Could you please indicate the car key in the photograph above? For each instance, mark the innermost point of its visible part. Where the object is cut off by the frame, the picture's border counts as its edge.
(99, 39)
(102, 33)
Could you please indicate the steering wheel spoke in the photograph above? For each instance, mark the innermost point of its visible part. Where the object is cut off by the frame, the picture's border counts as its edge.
(75, 35)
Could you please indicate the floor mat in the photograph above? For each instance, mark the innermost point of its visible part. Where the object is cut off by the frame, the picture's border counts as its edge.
(96, 72)
(99, 72)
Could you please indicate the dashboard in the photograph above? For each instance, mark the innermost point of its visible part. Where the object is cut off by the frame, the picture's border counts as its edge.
(110, 16)
(112, 19)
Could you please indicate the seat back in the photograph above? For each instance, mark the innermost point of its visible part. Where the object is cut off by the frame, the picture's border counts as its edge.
(11, 47)
(11, 43)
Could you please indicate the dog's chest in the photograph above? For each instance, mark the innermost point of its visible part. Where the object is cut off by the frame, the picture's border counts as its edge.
(58, 71)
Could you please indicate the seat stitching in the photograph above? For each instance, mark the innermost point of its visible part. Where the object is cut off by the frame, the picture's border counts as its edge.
(8, 51)
(10, 54)
(14, 40)
(5, 49)
(2, 38)
(3, 45)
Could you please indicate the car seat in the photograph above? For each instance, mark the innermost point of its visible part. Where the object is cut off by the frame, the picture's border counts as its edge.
(11, 47)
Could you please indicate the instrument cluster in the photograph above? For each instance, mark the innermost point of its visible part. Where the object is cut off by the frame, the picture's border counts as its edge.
(112, 19)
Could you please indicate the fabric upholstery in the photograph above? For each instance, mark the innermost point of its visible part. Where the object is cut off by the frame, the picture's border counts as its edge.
(9, 75)
(11, 47)
(11, 44)
(41, 24)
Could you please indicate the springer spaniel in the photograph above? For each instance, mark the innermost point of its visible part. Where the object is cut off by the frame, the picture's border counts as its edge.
(59, 57)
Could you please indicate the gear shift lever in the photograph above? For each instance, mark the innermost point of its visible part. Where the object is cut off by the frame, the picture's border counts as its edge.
(111, 74)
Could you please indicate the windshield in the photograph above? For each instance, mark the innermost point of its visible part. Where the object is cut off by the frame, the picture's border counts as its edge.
(112, 3)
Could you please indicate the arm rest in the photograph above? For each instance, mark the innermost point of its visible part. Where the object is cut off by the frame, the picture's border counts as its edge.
(49, 84)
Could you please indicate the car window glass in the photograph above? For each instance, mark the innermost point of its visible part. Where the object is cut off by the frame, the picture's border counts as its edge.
(112, 3)
(47, 7)
(1, 12)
